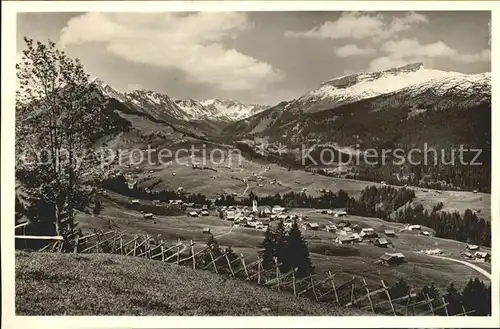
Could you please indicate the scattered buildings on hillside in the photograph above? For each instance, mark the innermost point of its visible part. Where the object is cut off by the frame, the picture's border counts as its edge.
(392, 258)
(390, 232)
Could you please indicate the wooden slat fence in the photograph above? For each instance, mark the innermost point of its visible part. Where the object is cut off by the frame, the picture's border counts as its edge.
(351, 293)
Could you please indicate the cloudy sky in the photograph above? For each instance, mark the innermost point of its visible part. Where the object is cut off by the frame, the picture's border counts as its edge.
(258, 57)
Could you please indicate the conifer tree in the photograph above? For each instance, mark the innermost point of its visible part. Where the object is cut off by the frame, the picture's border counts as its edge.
(297, 252)
(454, 300)
(267, 249)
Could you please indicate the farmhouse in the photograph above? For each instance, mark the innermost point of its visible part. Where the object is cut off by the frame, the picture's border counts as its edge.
(206, 230)
(414, 227)
(312, 226)
(340, 213)
(148, 216)
(348, 238)
(230, 215)
(482, 256)
(425, 233)
(472, 247)
(392, 258)
(433, 251)
(205, 213)
(368, 233)
(277, 209)
(193, 214)
(390, 232)
(331, 228)
(467, 254)
(381, 242)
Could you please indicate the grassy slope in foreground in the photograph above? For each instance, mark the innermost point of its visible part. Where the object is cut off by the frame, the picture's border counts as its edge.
(102, 284)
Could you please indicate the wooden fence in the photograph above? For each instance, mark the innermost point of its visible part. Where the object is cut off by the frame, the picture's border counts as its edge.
(351, 293)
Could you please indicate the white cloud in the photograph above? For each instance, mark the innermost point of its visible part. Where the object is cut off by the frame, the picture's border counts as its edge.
(406, 51)
(353, 50)
(190, 42)
(357, 25)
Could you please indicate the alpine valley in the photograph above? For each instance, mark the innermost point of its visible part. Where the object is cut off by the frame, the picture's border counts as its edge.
(404, 107)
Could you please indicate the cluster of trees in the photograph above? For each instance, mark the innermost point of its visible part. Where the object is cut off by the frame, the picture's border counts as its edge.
(288, 248)
(384, 202)
(380, 201)
(467, 228)
(476, 295)
(119, 185)
(291, 200)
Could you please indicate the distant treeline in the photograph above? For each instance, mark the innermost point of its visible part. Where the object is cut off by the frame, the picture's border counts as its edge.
(119, 185)
(384, 202)
(438, 177)
(327, 200)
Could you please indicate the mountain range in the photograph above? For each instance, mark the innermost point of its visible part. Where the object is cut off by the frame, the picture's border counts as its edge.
(402, 107)
(159, 105)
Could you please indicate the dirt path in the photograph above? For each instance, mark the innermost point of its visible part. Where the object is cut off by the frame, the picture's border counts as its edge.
(475, 267)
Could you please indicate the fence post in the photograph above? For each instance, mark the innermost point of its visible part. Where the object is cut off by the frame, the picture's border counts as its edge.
(178, 250)
(229, 264)
(429, 302)
(75, 249)
(192, 253)
(368, 295)
(98, 237)
(445, 306)
(135, 246)
(293, 282)
(121, 245)
(386, 289)
(162, 248)
(277, 272)
(242, 257)
(333, 286)
(212, 258)
(408, 301)
(259, 265)
(313, 287)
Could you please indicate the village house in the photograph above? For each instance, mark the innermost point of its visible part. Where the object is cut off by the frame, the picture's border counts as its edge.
(472, 247)
(381, 242)
(434, 251)
(206, 230)
(482, 256)
(425, 233)
(368, 233)
(347, 238)
(193, 214)
(205, 213)
(135, 201)
(392, 258)
(414, 227)
(148, 216)
(331, 228)
(312, 226)
(468, 255)
(277, 209)
(340, 213)
(390, 232)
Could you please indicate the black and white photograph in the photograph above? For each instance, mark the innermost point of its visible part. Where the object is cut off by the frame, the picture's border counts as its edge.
(258, 163)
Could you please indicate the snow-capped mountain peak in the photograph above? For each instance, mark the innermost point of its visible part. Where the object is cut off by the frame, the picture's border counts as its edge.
(157, 104)
(353, 87)
(234, 109)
